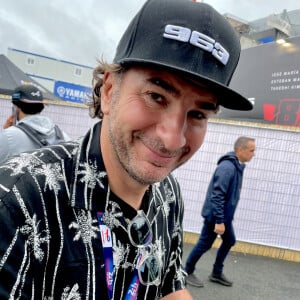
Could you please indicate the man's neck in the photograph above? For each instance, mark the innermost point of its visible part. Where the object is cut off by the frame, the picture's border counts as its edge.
(22, 115)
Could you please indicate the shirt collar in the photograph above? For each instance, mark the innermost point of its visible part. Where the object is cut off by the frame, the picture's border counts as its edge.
(89, 183)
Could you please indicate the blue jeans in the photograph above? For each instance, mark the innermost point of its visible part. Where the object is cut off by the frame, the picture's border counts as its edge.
(206, 241)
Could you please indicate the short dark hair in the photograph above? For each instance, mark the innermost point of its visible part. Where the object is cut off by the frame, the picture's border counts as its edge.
(28, 98)
(29, 109)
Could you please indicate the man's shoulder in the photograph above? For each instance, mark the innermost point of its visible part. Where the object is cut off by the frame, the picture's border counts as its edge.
(27, 165)
(12, 141)
(14, 137)
(229, 160)
(53, 153)
(12, 130)
(58, 152)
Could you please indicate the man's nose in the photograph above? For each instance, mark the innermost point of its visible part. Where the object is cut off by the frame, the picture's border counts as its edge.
(172, 131)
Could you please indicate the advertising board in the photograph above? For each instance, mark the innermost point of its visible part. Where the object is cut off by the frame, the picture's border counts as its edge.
(72, 92)
(269, 76)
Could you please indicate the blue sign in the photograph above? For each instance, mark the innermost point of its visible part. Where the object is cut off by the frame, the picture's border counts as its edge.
(72, 92)
(267, 39)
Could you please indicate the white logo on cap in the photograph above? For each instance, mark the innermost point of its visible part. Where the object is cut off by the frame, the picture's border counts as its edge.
(198, 39)
(37, 93)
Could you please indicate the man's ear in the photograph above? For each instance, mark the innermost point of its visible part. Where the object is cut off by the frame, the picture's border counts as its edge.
(107, 92)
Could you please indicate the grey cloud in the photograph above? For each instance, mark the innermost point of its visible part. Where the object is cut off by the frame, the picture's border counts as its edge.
(82, 31)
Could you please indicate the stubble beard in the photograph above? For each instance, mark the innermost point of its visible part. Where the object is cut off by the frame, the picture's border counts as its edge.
(127, 159)
(122, 150)
(124, 154)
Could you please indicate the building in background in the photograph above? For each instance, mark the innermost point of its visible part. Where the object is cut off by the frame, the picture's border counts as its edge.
(72, 82)
(67, 80)
(273, 28)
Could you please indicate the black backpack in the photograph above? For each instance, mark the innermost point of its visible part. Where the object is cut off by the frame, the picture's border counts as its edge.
(40, 138)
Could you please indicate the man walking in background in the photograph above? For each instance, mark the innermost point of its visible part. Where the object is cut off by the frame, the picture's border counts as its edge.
(218, 210)
(33, 129)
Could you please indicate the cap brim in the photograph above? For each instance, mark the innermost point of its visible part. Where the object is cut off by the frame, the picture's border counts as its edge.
(28, 101)
(229, 98)
(226, 97)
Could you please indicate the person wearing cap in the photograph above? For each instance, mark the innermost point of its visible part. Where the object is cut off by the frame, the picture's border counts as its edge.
(101, 218)
(218, 210)
(27, 101)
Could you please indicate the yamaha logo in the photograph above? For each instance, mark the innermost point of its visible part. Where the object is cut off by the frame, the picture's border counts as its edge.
(198, 39)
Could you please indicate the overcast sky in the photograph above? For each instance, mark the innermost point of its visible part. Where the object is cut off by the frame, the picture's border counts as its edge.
(81, 31)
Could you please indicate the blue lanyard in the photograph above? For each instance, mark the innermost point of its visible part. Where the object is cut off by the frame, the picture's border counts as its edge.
(133, 287)
(109, 266)
(108, 255)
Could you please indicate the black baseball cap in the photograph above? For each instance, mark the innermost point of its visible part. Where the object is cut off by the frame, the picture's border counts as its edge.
(27, 93)
(188, 37)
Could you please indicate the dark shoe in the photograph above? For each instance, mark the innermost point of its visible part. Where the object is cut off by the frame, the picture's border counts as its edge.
(220, 278)
(193, 280)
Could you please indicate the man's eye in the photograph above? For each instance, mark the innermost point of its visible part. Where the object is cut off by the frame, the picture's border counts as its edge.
(198, 115)
(156, 97)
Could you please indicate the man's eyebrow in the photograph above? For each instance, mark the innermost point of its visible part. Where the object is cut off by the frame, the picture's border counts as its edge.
(208, 106)
(171, 89)
(164, 85)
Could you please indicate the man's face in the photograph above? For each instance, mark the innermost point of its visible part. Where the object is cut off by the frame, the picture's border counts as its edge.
(155, 119)
(246, 154)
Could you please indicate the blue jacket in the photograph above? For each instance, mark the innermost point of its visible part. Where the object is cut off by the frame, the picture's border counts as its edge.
(224, 190)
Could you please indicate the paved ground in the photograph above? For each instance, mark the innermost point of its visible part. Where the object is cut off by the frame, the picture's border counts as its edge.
(254, 277)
